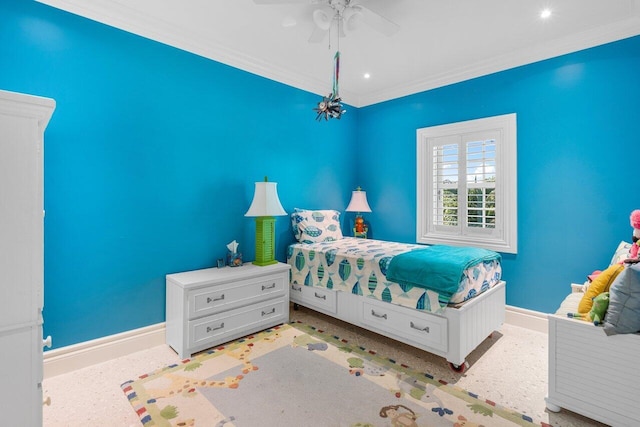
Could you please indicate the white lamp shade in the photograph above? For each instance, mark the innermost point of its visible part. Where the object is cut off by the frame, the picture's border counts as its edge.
(358, 202)
(265, 201)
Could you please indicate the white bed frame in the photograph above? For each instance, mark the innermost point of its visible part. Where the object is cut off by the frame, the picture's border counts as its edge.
(593, 374)
(453, 334)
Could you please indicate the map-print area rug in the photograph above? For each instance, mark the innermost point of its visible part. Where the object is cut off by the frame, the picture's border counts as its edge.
(297, 375)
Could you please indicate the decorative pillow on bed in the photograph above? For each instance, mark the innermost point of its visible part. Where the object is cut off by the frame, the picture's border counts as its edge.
(313, 226)
(600, 284)
(623, 315)
(621, 253)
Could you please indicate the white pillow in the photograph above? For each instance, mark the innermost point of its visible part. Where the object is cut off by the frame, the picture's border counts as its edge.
(621, 253)
(313, 226)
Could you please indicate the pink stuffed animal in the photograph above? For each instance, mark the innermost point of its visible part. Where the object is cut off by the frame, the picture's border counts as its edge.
(635, 223)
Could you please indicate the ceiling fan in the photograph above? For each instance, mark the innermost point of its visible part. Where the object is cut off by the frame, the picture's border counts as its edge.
(347, 15)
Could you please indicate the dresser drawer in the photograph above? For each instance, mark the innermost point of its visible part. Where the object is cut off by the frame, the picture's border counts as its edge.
(422, 328)
(219, 328)
(215, 305)
(221, 297)
(314, 297)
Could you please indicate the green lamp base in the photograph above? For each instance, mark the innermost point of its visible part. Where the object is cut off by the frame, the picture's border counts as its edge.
(265, 241)
(264, 263)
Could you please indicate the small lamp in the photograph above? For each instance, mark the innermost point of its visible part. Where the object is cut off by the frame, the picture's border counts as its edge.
(264, 207)
(359, 204)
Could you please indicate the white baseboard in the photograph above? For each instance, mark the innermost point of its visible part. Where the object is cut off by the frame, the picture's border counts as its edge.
(66, 359)
(77, 356)
(529, 319)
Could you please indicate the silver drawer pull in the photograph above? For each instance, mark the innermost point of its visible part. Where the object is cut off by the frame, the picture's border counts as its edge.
(273, 285)
(379, 316)
(210, 329)
(299, 289)
(210, 300)
(273, 310)
(324, 297)
(425, 329)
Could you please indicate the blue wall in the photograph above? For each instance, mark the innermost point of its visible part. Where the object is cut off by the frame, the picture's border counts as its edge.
(150, 162)
(152, 153)
(578, 119)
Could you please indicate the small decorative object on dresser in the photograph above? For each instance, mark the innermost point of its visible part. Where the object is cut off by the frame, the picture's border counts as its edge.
(216, 305)
(234, 258)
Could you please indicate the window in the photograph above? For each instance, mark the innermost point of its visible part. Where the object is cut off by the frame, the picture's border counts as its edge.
(467, 184)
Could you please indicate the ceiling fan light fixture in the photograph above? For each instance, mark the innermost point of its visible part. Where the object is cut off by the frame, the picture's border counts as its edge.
(322, 19)
(352, 19)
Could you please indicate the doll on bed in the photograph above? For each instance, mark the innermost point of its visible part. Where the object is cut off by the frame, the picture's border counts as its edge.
(634, 219)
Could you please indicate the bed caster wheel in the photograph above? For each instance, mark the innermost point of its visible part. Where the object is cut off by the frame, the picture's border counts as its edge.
(295, 306)
(458, 368)
(551, 406)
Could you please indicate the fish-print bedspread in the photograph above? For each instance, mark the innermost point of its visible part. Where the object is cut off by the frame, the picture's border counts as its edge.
(359, 266)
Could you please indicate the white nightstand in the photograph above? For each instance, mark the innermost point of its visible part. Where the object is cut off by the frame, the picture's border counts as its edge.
(216, 305)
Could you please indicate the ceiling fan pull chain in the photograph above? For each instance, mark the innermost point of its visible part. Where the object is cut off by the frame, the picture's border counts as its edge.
(336, 73)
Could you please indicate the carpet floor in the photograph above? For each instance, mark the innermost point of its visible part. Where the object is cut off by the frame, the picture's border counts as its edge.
(509, 368)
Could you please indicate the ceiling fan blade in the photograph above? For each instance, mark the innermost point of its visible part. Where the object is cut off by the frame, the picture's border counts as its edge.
(318, 35)
(377, 21)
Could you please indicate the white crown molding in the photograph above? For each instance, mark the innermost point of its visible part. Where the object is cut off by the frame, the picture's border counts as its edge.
(588, 39)
(120, 15)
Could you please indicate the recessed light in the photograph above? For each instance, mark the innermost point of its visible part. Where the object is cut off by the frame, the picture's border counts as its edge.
(366, 75)
(545, 14)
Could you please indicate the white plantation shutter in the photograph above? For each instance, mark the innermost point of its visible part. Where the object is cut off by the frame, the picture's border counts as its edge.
(467, 184)
(445, 181)
(481, 183)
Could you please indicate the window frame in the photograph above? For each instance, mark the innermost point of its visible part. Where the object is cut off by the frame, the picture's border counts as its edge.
(502, 238)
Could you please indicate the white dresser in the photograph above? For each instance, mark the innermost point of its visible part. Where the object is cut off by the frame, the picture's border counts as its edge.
(23, 119)
(216, 305)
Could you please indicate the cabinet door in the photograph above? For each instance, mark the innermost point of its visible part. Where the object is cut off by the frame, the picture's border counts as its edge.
(23, 119)
(21, 222)
(21, 377)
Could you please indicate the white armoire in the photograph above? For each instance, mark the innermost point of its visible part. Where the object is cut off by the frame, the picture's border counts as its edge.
(23, 119)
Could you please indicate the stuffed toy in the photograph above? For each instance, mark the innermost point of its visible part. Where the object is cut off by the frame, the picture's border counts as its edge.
(635, 223)
(598, 310)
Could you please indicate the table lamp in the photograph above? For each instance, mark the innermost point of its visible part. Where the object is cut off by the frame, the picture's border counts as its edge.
(264, 207)
(359, 204)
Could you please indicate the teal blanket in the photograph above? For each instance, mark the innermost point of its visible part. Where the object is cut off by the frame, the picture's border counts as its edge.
(439, 268)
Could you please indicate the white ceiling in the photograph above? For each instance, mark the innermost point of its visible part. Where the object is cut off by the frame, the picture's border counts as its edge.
(439, 41)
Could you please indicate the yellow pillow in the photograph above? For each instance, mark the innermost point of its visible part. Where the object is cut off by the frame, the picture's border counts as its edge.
(600, 284)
